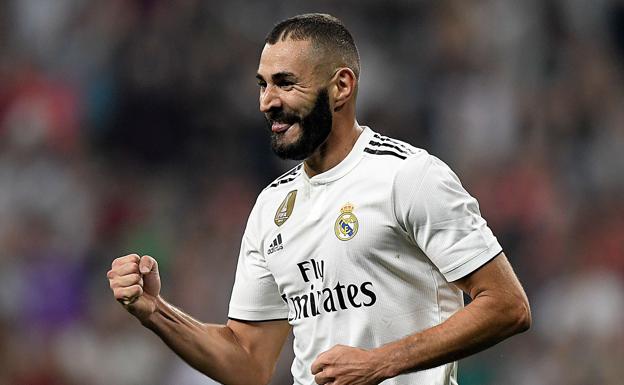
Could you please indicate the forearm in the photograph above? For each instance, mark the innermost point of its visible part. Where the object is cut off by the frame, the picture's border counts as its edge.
(483, 323)
(212, 349)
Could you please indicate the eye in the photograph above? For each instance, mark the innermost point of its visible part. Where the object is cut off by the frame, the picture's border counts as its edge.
(262, 84)
(285, 84)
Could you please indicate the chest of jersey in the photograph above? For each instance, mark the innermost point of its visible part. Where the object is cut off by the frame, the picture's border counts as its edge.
(335, 245)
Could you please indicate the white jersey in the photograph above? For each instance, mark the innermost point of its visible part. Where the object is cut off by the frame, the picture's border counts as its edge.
(362, 254)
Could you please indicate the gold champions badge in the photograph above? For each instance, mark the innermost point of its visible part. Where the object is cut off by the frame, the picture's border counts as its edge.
(347, 223)
(286, 208)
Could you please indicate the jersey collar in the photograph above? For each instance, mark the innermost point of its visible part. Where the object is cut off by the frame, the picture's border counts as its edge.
(347, 164)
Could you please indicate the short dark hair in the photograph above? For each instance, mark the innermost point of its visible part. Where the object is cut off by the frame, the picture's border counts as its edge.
(325, 32)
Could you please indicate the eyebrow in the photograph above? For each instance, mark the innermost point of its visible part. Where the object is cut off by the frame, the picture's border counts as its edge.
(279, 76)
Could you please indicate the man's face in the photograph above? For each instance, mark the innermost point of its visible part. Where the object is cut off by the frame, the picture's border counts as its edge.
(293, 99)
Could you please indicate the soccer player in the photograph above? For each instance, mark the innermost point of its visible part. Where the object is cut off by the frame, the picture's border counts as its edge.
(363, 249)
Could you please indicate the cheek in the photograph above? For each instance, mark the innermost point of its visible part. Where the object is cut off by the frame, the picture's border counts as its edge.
(298, 104)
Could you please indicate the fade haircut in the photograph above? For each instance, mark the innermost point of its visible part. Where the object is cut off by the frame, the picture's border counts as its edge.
(325, 32)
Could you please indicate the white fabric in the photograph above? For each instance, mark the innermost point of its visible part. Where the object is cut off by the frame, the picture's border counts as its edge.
(417, 230)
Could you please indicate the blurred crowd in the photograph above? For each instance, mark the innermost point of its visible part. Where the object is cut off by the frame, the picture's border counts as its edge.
(133, 126)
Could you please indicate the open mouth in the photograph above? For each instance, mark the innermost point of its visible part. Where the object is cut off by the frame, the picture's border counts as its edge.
(278, 127)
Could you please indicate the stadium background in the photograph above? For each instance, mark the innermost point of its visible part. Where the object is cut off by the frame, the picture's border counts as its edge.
(132, 126)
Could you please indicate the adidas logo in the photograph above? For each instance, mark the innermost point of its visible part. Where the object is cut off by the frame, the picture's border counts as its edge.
(276, 245)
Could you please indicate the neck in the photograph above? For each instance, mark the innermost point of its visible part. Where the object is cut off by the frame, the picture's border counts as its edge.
(337, 146)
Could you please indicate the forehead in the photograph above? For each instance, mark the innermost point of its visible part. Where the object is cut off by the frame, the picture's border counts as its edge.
(287, 56)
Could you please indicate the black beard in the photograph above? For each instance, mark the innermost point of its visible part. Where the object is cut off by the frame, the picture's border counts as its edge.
(315, 128)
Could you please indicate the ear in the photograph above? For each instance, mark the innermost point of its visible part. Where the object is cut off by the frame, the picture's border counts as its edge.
(344, 87)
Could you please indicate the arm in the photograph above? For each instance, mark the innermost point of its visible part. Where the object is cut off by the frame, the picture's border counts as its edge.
(499, 310)
(235, 353)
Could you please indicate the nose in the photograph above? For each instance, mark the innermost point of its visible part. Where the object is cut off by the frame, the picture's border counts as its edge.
(269, 99)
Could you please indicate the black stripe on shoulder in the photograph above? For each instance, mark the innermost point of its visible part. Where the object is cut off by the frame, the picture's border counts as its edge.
(406, 147)
(289, 176)
(282, 181)
(292, 171)
(384, 152)
(377, 144)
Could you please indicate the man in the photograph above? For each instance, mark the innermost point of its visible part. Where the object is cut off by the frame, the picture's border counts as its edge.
(363, 249)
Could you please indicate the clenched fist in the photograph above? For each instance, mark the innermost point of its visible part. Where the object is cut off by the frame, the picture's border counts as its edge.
(345, 365)
(135, 283)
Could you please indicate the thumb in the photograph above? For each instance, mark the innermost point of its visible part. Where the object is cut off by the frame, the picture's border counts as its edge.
(151, 279)
(148, 265)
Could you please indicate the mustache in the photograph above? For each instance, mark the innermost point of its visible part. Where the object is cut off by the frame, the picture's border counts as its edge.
(281, 116)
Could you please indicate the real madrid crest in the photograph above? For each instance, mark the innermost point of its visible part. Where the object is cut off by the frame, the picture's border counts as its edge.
(347, 223)
(285, 208)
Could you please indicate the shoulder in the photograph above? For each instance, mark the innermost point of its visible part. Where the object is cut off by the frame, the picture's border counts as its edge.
(397, 157)
(424, 172)
(286, 178)
(385, 145)
(278, 189)
(408, 167)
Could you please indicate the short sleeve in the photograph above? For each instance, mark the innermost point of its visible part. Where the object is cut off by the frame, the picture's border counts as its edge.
(436, 211)
(255, 296)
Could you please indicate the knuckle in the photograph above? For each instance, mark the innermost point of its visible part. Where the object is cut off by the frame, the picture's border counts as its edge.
(134, 278)
(125, 259)
(136, 290)
(128, 292)
(126, 280)
(118, 293)
(129, 267)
